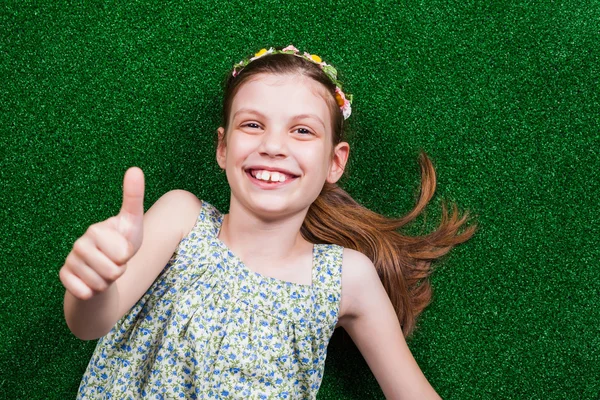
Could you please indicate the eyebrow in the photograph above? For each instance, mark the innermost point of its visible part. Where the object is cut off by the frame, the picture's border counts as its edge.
(299, 116)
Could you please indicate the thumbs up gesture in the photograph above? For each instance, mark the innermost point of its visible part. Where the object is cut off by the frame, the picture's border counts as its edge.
(99, 257)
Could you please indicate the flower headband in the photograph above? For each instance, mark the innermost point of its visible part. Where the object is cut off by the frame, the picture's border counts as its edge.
(342, 99)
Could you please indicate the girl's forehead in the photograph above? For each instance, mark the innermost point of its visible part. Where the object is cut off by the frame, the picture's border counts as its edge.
(285, 94)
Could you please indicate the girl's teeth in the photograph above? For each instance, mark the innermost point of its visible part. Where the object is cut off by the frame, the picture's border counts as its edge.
(272, 176)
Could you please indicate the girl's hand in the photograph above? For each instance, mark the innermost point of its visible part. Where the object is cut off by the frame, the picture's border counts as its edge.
(100, 256)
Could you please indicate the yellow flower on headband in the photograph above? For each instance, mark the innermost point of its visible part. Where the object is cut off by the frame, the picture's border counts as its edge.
(316, 58)
(260, 52)
(339, 99)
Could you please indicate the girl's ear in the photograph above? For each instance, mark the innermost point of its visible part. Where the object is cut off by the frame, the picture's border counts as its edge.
(221, 148)
(340, 158)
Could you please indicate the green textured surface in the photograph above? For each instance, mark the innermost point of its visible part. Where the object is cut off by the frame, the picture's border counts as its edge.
(503, 96)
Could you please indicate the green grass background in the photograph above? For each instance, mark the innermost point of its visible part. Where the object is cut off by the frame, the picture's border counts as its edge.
(502, 95)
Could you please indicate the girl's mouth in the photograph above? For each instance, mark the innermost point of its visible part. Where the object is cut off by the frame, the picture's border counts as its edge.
(269, 179)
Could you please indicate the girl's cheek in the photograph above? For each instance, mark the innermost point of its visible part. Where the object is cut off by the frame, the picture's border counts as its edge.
(241, 147)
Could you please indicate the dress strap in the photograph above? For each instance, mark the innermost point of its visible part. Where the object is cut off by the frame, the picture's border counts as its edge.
(203, 231)
(327, 283)
(210, 217)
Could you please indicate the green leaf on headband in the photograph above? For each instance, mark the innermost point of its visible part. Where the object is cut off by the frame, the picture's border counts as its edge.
(331, 72)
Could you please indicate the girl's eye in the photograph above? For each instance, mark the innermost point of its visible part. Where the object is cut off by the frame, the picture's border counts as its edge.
(304, 131)
(252, 125)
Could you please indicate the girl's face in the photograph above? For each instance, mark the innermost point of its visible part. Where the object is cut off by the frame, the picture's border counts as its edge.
(280, 124)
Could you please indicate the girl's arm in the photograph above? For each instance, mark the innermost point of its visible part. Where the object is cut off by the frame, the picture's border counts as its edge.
(369, 318)
(164, 225)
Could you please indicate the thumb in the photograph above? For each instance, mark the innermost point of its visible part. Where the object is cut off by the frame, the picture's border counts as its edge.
(132, 209)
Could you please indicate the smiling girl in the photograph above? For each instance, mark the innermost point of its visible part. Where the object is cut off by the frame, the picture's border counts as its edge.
(192, 303)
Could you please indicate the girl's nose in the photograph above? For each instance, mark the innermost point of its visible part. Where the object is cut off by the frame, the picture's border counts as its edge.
(273, 143)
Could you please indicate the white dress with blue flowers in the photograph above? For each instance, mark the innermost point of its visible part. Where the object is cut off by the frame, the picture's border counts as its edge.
(211, 328)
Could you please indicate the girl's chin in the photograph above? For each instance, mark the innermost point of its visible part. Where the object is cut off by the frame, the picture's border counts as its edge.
(270, 203)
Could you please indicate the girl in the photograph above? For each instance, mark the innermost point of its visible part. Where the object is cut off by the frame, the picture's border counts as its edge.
(190, 303)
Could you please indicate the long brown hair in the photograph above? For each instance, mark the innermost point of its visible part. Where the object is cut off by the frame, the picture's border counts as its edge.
(402, 262)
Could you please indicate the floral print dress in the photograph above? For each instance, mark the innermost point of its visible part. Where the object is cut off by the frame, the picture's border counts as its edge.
(211, 328)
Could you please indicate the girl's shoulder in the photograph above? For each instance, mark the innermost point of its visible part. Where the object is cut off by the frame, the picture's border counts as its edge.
(186, 208)
(356, 266)
(357, 272)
